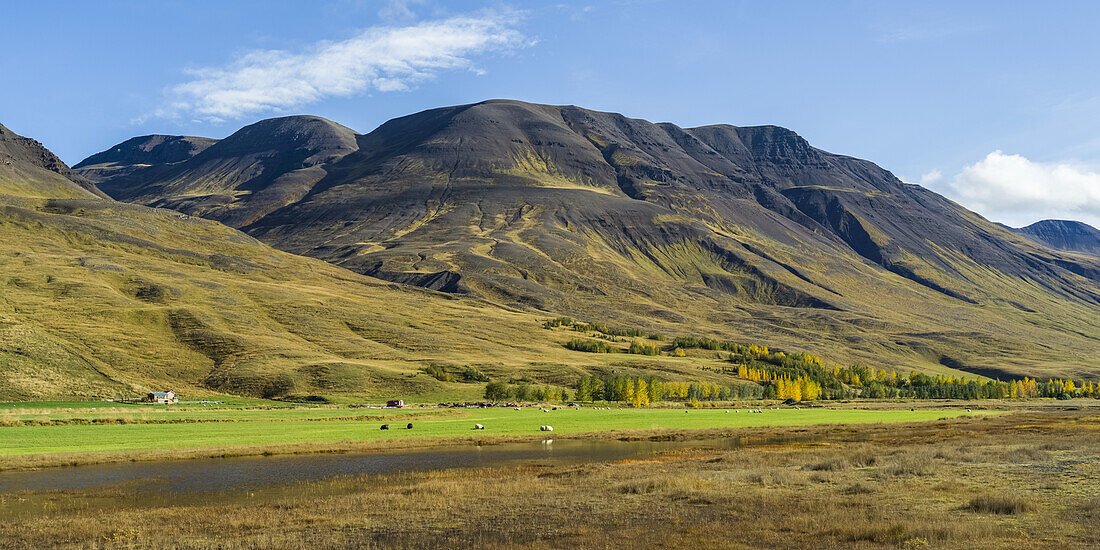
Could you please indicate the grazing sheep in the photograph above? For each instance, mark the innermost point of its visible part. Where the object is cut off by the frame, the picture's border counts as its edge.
(410, 426)
(967, 410)
(479, 427)
(546, 428)
(384, 427)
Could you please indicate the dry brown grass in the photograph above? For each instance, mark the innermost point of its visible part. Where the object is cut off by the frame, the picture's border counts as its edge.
(864, 487)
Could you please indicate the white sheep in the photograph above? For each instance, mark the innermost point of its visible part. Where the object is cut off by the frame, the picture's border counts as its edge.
(546, 428)
(479, 427)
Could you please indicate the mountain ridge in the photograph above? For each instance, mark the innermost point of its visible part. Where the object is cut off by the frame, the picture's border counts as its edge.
(560, 209)
(1065, 235)
(28, 168)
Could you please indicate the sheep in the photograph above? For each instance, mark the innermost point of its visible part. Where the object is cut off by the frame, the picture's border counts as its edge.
(479, 427)
(384, 427)
(546, 428)
(410, 426)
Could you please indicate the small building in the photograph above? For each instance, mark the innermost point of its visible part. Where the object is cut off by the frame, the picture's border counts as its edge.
(395, 403)
(165, 397)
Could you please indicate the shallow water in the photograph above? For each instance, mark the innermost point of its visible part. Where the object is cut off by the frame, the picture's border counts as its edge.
(216, 475)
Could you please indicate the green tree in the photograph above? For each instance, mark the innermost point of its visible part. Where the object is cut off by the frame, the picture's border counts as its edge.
(497, 391)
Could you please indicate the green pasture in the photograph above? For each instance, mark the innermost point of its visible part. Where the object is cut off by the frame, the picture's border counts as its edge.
(272, 427)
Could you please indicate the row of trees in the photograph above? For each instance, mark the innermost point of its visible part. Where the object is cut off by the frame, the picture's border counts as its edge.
(641, 391)
(598, 327)
(804, 376)
(446, 373)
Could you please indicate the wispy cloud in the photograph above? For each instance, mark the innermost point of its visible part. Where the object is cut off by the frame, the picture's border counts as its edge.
(898, 35)
(385, 59)
(1017, 191)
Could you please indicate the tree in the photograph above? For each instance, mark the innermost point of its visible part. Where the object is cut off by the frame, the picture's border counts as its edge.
(641, 393)
(522, 392)
(656, 392)
(497, 391)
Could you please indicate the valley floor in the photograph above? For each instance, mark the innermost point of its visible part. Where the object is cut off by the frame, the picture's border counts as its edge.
(32, 438)
(1028, 478)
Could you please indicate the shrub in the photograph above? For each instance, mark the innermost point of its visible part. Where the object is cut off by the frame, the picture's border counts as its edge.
(998, 504)
(438, 372)
(473, 375)
(590, 346)
(643, 348)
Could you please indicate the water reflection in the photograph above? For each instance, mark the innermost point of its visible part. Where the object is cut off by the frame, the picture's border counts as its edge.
(247, 473)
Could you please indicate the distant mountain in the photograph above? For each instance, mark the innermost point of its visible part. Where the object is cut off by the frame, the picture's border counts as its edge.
(27, 169)
(236, 180)
(1066, 235)
(139, 153)
(741, 232)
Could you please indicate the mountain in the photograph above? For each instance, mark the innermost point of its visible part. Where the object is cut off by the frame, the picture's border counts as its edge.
(747, 233)
(138, 153)
(236, 180)
(1069, 236)
(29, 169)
(106, 299)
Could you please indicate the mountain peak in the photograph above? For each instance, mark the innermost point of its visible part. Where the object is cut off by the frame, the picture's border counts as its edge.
(150, 149)
(29, 169)
(1067, 235)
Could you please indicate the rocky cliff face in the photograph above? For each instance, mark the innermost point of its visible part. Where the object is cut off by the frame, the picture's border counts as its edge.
(28, 169)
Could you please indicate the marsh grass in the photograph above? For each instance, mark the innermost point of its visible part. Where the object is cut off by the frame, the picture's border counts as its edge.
(757, 496)
(999, 504)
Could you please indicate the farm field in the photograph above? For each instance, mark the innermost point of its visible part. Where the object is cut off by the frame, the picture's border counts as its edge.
(189, 430)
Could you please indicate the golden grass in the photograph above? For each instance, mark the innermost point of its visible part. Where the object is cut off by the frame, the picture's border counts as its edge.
(769, 496)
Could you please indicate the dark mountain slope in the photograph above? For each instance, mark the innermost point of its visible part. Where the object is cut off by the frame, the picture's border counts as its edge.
(746, 232)
(100, 298)
(27, 169)
(140, 153)
(235, 180)
(1069, 236)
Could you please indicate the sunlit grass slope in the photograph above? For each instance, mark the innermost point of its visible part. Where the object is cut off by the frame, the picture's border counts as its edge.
(101, 299)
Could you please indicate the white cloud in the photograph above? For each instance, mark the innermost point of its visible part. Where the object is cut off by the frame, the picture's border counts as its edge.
(1017, 191)
(932, 179)
(380, 58)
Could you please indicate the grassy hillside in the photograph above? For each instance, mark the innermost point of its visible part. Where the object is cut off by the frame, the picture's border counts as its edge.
(101, 299)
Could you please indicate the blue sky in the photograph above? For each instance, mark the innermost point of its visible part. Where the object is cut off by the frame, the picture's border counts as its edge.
(995, 104)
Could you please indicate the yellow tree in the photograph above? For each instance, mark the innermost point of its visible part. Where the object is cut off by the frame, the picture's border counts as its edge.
(641, 393)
